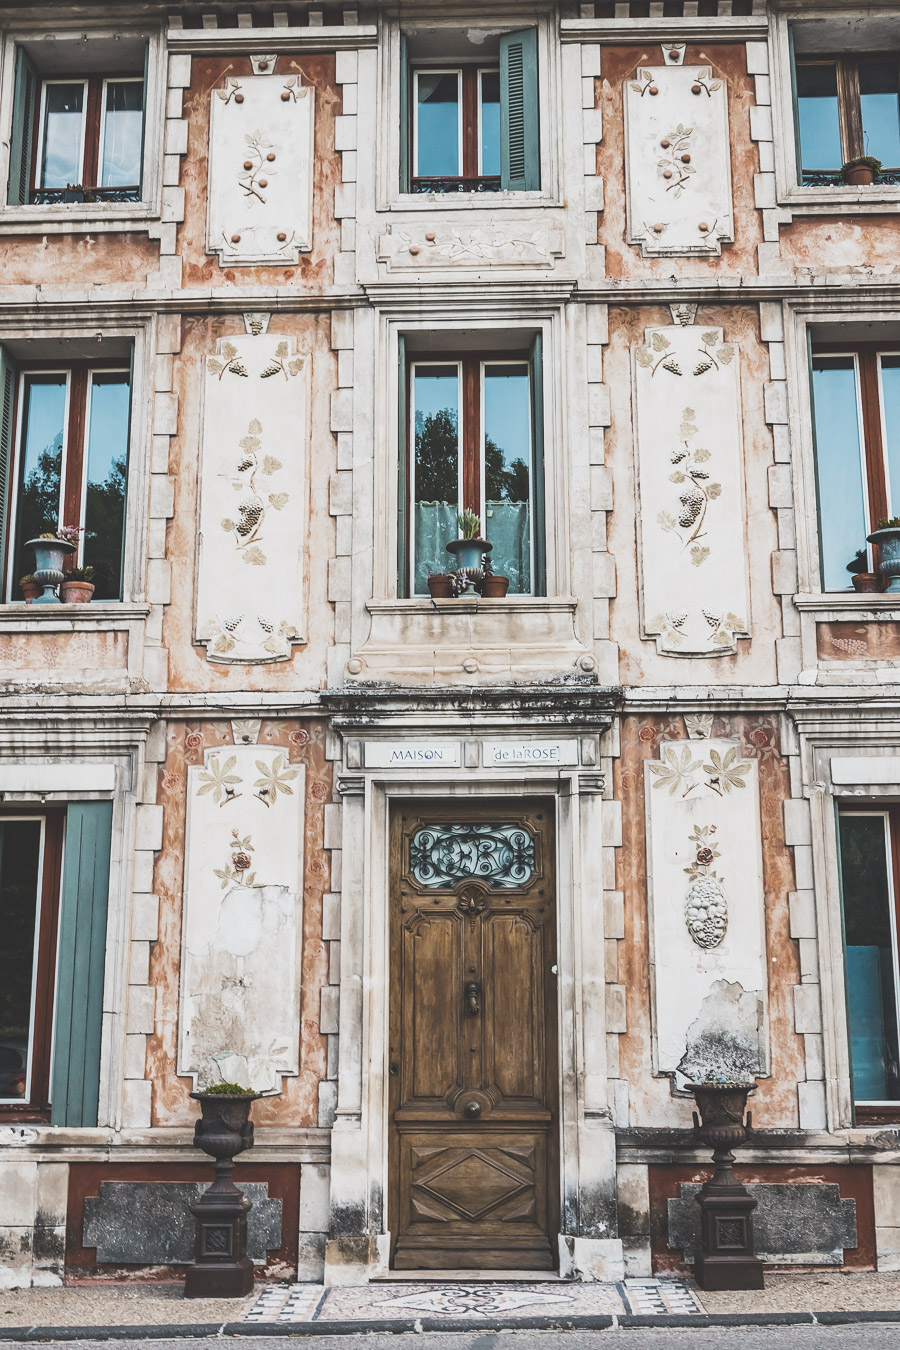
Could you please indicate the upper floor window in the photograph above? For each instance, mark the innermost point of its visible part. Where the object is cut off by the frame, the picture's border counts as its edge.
(65, 461)
(856, 406)
(474, 443)
(471, 125)
(76, 137)
(847, 107)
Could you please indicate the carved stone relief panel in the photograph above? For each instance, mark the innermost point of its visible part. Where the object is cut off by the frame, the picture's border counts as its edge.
(413, 245)
(260, 169)
(704, 865)
(241, 927)
(253, 469)
(690, 470)
(678, 162)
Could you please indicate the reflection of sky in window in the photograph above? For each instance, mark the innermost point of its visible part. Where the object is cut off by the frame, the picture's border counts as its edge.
(62, 135)
(890, 402)
(490, 122)
(437, 141)
(122, 134)
(44, 420)
(880, 111)
(820, 130)
(506, 413)
(842, 517)
(108, 436)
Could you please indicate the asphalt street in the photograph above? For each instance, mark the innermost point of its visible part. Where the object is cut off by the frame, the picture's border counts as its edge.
(866, 1336)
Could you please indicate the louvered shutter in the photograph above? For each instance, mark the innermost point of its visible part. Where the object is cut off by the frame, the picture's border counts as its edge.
(22, 134)
(405, 124)
(81, 962)
(520, 149)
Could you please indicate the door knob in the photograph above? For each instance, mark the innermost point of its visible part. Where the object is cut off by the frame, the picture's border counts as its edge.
(395, 1069)
(473, 1007)
(472, 1110)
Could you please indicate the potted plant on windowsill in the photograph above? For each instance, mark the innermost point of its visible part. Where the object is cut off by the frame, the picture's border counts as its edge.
(50, 552)
(887, 537)
(30, 588)
(865, 583)
(78, 586)
(493, 587)
(471, 548)
(861, 172)
(441, 585)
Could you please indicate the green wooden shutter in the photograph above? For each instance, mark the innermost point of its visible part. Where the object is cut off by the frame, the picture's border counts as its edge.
(539, 561)
(22, 133)
(7, 406)
(402, 473)
(795, 105)
(144, 116)
(520, 145)
(405, 125)
(80, 964)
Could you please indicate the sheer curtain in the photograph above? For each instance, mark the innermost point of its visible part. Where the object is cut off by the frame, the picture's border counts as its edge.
(508, 529)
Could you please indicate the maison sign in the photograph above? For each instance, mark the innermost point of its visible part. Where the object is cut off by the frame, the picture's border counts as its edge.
(412, 754)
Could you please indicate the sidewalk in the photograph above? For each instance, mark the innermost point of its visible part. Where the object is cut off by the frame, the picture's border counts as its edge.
(157, 1310)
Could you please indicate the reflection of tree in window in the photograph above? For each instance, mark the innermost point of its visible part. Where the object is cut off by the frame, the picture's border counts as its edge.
(39, 501)
(105, 514)
(19, 857)
(502, 483)
(437, 440)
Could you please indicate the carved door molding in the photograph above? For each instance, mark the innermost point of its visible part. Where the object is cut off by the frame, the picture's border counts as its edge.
(472, 1048)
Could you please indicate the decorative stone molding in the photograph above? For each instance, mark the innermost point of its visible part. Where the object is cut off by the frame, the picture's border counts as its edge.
(694, 584)
(253, 470)
(260, 168)
(678, 160)
(412, 245)
(702, 806)
(241, 931)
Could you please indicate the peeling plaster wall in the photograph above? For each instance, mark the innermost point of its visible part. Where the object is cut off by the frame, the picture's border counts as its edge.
(650, 1102)
(315, 269)
(639, 661)
(79, 259)
(298, 1105)
(618, 65)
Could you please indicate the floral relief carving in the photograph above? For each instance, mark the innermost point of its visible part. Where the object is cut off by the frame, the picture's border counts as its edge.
(682, 774)
(415, 245)
(706, 909)
(237, 873)
(252, 479)
(698, 490)
(675, 162)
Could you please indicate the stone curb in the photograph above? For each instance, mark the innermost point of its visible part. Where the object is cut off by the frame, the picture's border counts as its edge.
(395, 1326)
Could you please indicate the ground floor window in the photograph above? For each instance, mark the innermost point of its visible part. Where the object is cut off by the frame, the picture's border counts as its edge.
(869, 855)
(29, 908)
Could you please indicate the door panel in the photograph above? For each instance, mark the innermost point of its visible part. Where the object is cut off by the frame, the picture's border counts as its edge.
(474, 1153)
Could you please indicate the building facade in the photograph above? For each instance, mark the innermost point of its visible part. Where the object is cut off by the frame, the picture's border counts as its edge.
(471, 887)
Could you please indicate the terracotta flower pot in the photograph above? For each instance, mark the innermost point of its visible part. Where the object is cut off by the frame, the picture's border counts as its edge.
(494, 588)
(76, 592)
(440, 587)
(862, 175)
(867, 583)
(30, 591)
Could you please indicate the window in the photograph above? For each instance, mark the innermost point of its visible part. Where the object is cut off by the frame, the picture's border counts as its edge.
(75, 138)
(856, 406)
(29, 906)
(847, 107)
(472, 126)
(68, 434)
(54, 892)
(868, 850)
(474, 439)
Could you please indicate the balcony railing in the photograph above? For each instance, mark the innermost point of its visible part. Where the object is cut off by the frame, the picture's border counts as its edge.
(444, 186)
(834, 178)
(75, 195)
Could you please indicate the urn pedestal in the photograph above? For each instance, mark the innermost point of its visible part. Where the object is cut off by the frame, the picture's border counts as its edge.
(726, 1259)
(222, 1268)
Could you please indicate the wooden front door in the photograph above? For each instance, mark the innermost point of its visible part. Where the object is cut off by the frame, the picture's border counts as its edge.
(473, 1096)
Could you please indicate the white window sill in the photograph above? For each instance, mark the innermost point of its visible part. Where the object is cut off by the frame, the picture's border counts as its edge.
(464, 605)
(110, 612)
(819, 200)
(469, 201)
(846, 600)
(100, 216)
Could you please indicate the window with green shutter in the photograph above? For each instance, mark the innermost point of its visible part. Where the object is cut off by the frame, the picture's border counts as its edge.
(470, 124)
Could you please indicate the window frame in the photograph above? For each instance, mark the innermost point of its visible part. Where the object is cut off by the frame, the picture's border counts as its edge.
(889, 1110)
(873, 443)
(849, 112)
(36, 1105)
(75, 454)
(471, 366)
(93, 132)
(469, 123)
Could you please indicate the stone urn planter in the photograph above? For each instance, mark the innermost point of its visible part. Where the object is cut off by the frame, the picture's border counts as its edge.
(469, 553)
(887, 537)
(726, 1259)
(222, 1268)
(49, 556)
